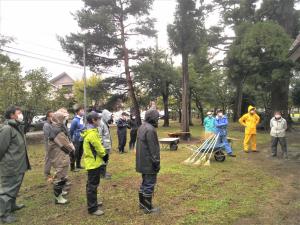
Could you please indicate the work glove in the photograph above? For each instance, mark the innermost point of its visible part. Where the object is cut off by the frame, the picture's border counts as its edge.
(156, 167)
(105, 158)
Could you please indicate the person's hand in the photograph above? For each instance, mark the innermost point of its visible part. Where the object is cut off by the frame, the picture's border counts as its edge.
(156, 167)
(105, 158)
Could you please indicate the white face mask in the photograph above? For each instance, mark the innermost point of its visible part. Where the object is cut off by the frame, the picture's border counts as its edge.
(20, 117)
(220, 114)
(277, 116)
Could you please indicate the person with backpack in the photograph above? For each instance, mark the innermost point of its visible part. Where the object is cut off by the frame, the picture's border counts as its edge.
(106, 120)
(60, 149)
(148, 160)
(94, 156)
(14, 162)
(77, 126)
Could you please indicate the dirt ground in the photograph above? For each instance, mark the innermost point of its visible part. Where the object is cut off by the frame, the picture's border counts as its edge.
(284, 205)
(248, 190)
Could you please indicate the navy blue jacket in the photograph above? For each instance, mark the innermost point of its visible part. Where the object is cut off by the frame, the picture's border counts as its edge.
(76, 128)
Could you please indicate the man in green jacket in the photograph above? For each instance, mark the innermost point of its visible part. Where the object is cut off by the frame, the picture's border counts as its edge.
(94, 156)
(13, 163)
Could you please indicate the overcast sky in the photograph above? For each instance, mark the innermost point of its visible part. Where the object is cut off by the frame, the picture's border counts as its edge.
(35, 24)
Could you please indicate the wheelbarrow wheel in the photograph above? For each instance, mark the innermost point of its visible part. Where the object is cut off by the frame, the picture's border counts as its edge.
(219, 156)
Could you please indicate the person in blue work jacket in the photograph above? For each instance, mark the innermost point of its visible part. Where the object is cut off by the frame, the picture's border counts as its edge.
(221, 123)
(76, 128)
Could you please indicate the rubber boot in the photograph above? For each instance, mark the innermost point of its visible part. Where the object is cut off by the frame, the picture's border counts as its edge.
(148, 205)
(141, 200)
(60, 200)
(16, 207)
(8, 219)
(72, 168)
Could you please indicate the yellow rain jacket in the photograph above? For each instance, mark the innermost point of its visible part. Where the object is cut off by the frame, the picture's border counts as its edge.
(93, 149)
(250, 121)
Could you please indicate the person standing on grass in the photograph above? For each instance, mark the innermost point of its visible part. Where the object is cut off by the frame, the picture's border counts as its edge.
(106, 119)
(278, 127)
(221, 124)
(77, 126)
(133, 131)
(46, 130)
(94, 156)
(66, 114)
(14, 163)
(60, 148)
(148, 160)
(209, 124)
(122, 126)
(250, 121)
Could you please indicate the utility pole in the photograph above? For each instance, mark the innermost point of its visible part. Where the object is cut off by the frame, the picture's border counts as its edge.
(84, 84)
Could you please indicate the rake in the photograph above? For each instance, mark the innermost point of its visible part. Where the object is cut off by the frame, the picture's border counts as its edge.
(207, 163)
(192, 158)
(209, 147)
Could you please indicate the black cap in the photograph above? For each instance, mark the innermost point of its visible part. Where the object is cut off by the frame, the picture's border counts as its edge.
(92, 116)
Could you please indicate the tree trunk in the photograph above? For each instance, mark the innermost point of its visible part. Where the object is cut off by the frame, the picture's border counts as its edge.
(190, 110)
(200, 109)
(185, 96)
(238, 102)
(131, 91)
(179, 116)
(166, 106)
(279, 97)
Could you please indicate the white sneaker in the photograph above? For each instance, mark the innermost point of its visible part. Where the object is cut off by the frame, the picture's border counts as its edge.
(98, 213)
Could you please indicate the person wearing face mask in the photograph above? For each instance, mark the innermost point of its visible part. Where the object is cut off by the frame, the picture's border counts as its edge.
(76, 128)
(209, 124)
(66, 114)
(221, 124)
(14, 163)
(250, 121)
(148, 160)
(278, 127)
(46, 130)
(133, 131)
(122, 125)
(106, 119)
(60, 148)
(94, 156)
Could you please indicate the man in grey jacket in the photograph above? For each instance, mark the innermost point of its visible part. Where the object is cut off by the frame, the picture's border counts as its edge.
(46, 130)
(278, 127)
(148, 159)
(14, 163)
(107, 118)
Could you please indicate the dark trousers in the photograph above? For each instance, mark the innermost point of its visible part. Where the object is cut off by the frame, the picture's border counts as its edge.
(93, 182)
(148, 184)
(103, 168)
(282, 142)
(9, 189)
(133, 134)
(122, 138)
(78, 152)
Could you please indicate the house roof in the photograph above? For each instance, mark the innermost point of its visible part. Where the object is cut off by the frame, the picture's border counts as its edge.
(295, 45)
(61, 76)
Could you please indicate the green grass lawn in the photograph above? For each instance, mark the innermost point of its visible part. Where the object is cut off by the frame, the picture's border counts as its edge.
(219, 194)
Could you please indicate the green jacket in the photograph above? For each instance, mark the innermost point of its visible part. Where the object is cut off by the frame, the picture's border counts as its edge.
(13, 151)
(93, 149)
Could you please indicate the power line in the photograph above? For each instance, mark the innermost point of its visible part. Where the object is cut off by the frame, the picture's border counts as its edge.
(41, 59)
(18, 49)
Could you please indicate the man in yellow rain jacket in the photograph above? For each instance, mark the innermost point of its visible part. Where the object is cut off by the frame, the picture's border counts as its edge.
(250, 121)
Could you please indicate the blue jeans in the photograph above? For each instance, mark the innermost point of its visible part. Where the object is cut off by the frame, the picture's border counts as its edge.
(148, 184)
(222, 142)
